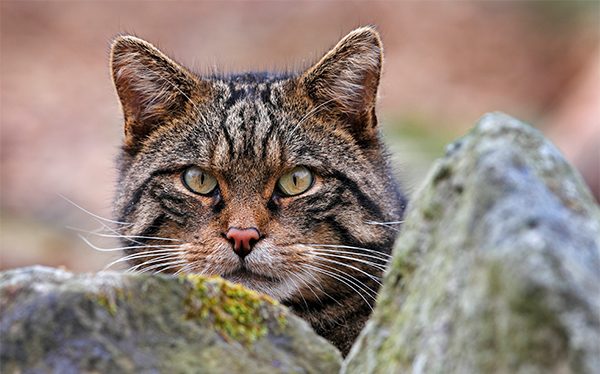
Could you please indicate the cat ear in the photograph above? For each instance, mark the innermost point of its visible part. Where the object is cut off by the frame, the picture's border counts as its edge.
(347, 77)
(152, 88)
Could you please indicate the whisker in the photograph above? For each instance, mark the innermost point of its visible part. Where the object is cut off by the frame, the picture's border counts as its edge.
(305, 283)
(135, 256)
(163, 257)
(374, 278)
(341, 279)
(384, 223)
(316, 282)
(90, 213)
(350, 247)
(184, 269)
(311, 113)
(120, 236)
(376, 266)
(384, 259)
(167, 268)
(296, 287)
(148, 269)
(123, 248)
(357, 281)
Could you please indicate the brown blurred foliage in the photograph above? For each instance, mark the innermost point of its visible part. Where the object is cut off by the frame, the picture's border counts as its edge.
(446, 64)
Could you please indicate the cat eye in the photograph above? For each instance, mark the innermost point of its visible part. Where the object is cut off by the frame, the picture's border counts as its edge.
(296, 181)
(198, 181)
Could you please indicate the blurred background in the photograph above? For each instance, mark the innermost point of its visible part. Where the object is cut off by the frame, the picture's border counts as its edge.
(446, 63)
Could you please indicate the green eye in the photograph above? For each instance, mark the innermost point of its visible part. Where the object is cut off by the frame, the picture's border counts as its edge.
(296, 181)
(198, 181)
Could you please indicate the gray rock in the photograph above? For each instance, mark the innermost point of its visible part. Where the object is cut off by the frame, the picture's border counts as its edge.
(497, 268)
(55, 321)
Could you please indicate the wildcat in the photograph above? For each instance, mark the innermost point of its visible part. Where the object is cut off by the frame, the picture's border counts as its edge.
(279, 182)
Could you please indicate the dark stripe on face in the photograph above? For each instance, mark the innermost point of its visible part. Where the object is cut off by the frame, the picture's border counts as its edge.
(265, 141)
(228, 139)
(154, 227)
(265, 94)
(319, 203)
(362, 198)
(234, 96)
(138, 193)
(343, 233)
(150, 230)
(172, 205)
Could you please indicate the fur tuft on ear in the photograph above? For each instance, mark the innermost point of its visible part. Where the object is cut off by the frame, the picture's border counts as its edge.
(348, 75)
(152, 88)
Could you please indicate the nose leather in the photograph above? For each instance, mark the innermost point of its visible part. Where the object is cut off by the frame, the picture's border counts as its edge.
(242, 240)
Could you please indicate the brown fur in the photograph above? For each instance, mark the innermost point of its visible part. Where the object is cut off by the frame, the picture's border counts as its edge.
(247, 130)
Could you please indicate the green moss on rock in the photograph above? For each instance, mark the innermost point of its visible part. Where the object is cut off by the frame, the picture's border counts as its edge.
(236, 312)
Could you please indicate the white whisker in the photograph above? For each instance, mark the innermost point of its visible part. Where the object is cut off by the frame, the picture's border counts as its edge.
(135, 256)
(123, 248)
(92, 214)
(344, 281)
(385, 260)
(372, 264)
(349, 247)
(374, 278)
(121, 236)
(161, 258)
(148, 269)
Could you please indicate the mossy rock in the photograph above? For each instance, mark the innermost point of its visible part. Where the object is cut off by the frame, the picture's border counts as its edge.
(55, 321)
(497, 267)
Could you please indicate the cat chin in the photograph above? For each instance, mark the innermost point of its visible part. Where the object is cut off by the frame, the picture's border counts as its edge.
(276, 289)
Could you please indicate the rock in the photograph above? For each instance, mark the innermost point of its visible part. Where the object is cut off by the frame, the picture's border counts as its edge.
(55, 321)
(497, 268)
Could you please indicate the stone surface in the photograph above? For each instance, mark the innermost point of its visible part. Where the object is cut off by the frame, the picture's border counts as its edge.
(497, 268)
(55, 321)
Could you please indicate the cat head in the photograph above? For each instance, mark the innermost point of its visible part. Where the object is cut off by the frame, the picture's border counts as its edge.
(273, 181)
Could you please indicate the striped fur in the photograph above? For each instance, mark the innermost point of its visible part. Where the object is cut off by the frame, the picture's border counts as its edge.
(247, 130)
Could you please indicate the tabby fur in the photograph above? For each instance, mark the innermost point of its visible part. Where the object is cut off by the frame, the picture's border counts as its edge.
(247, 130)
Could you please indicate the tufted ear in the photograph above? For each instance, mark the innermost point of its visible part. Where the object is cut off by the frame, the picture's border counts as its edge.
(346, 79)
(152, 88)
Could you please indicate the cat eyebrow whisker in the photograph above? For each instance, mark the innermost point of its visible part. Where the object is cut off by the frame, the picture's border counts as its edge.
(344, 280)
(88, 242)
(312, 112)
(349, 247)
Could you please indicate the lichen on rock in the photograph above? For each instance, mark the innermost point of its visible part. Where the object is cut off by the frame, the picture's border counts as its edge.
(235, 311)
(56, 321)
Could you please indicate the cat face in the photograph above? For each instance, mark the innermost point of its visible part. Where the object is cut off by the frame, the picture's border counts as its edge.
(272, 181)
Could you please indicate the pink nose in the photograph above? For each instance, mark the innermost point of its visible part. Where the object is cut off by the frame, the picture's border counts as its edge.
(242, 240)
